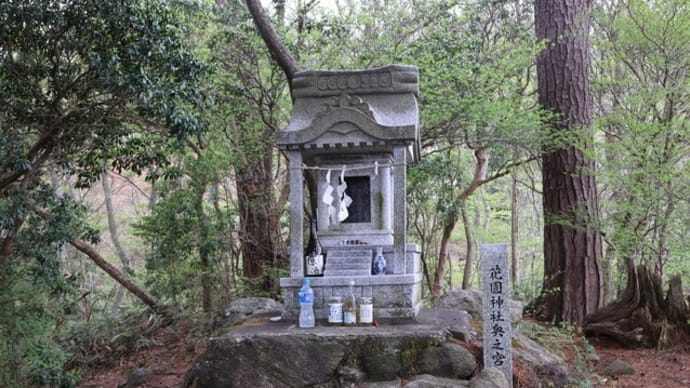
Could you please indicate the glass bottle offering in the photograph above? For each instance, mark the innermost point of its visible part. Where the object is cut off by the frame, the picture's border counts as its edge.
(313, 254)
(350, 306)
(379, 264)
(335, 310)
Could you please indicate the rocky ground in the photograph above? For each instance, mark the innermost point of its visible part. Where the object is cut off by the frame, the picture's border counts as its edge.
(591, 362)
(173, 355)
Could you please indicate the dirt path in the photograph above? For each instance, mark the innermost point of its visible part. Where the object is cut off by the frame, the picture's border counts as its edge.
(167, 361)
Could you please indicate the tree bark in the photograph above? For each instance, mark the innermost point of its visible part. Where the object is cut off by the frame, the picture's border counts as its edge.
(572, 245)
(7, 244)
(274, 44)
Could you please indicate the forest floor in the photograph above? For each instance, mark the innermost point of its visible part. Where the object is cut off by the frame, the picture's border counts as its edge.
(173, 352)
(667, 368)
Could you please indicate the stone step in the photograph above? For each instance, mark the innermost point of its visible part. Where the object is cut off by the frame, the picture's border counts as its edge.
(340, 266)
(348, 262)
(347, 272)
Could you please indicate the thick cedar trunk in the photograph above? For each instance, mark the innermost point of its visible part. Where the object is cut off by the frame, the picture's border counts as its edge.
(572, 246)
(676, 309)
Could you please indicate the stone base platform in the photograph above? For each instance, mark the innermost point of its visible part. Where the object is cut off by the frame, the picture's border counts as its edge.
(263, 353)
(394, 296)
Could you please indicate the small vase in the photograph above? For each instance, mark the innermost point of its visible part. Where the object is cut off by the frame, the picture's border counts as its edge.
(379, 265)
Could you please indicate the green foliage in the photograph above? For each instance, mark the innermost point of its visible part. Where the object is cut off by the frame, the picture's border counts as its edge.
(170, 229)
(38, 295)
(78, 77)
(642, 84)
(567, 339)
(81, 82)
(101, 340)
(32, 311)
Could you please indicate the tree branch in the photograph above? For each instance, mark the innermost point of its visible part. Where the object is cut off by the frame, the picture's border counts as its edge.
(115, 273)
(275, 46)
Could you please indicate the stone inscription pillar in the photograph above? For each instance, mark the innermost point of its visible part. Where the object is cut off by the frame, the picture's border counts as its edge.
(496, 308)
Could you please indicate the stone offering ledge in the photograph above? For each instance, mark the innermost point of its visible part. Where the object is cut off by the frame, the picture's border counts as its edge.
(392, 79)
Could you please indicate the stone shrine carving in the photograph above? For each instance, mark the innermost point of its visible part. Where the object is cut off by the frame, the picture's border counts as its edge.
(350, 138)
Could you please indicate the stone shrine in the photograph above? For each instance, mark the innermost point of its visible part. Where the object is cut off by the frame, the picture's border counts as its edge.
(350, 138)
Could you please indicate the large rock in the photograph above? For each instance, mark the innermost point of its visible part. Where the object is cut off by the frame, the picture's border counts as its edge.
(282, 355)
(457, 322)
(550, 369)
(450, 360)
(268, 354)
(137, 377)
(471, 301)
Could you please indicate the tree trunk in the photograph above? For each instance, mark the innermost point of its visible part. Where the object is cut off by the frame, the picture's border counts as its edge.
(641, 316)
(437, 287)
(479, 178)
(7, 244)
(275, 46)
(514, 233)
(115, 273)
(676, 309)
(259, 228)
(572, 245)
(469, 252)
(114, 237)
(204, 247)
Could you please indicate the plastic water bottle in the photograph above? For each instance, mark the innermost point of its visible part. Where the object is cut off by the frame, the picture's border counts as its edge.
(306, 305)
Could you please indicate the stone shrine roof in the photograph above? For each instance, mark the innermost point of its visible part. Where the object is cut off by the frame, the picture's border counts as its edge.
(354, 110)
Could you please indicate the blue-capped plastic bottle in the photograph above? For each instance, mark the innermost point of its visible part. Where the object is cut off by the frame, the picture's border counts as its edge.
(306, 305)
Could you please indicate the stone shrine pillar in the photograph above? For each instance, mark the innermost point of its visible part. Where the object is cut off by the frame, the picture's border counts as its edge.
(350, 138)
(497, 338)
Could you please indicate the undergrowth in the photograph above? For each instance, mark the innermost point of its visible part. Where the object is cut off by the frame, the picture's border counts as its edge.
(568, 342)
